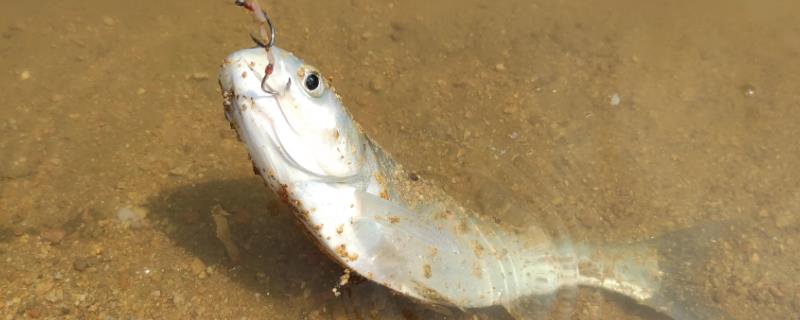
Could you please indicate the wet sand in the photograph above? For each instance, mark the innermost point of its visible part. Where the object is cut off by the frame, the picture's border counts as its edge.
(609, 122)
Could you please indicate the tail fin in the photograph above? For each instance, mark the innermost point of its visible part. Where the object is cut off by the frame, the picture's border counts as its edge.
(665, 273)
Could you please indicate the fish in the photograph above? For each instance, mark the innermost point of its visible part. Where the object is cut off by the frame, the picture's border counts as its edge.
(373, 216)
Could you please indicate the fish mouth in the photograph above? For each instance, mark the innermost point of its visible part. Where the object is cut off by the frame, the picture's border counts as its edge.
(265, 116)
(259, 118)
(241, 88)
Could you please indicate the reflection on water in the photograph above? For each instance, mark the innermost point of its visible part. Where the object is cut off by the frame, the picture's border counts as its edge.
(614, 122)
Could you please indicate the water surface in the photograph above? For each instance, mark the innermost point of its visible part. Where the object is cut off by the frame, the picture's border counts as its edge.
(603, 121)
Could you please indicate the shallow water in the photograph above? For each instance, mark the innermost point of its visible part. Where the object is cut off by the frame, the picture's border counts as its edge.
(606, 122)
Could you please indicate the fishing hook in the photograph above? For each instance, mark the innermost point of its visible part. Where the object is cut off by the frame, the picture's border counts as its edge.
(263, 18)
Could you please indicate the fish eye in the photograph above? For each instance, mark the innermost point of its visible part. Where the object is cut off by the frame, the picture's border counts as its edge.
(312, 83)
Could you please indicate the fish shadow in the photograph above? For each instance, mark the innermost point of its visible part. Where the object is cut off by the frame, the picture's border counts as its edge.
(278, 260)
(268, 240)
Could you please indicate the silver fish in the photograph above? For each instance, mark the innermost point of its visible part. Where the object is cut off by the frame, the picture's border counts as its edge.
(375, 218)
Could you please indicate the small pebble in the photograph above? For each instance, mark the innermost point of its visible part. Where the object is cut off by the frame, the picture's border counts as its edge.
(197, 266)
(177, 299)
(132, 215)
(180, 171)
(54, 296)
(500, 67)
(141, 91)
(82, 263)
(109, 21)
(344, 278)
(25, 75)
(376, 85)
(776, 292)
(749, 90)
(366, 35)
(615, 100)
(510, 110)
(53, 235)
(199, 76)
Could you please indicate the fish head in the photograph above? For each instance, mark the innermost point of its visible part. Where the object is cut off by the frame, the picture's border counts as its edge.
(285, 110)
(303, 143)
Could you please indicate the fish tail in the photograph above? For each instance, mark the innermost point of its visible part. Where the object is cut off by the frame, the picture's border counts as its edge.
(665, 274)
